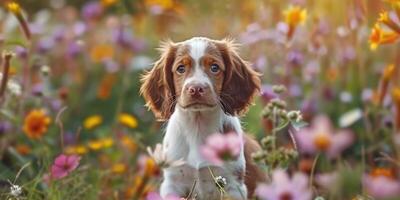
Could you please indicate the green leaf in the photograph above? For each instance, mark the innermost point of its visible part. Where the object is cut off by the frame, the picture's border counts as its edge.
(298, 125)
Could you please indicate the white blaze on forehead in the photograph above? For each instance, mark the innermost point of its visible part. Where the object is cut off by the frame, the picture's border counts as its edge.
(197, 49)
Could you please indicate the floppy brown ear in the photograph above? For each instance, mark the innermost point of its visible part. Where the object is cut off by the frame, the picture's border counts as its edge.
(157, 84)
(241, 82)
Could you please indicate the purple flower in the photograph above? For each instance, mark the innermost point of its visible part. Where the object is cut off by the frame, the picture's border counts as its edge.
(295, 58)
(156, 196)
(222, 147)
(21, 52)
(74, 49)
(37, 89)
(44, 45)
(321, 137)
(122, 37)
(63, 165)
(79, 28)
(110, 65)
(92, 10)
(58, 34)
(267, 93)
(4, 127)
(381, 186)
(283, 187)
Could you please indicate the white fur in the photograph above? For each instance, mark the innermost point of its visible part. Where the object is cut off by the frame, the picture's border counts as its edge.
(186, 131)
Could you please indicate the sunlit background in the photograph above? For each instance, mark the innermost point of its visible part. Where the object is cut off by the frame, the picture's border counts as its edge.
(69, 94)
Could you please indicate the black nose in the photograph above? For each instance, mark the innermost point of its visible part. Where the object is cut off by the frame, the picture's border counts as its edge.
(196, 90)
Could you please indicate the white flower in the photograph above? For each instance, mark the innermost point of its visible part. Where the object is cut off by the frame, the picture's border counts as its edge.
(12, 86)
(160, 157)
(15, 190)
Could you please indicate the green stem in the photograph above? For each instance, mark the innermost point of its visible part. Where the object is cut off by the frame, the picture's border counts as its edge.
(313, 170)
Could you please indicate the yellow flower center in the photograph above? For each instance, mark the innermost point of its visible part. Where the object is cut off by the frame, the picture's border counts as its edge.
(322, 141)
(295, 15)
(14, 7)
(382, 172)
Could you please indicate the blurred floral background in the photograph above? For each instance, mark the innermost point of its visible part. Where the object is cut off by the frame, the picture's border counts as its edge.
(73, 126)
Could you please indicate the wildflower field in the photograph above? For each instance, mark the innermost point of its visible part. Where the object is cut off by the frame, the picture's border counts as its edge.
(74, 126)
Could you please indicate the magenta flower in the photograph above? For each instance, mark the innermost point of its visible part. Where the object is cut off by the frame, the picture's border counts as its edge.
(282, 187)
(222, 147)
(381, 186)
(63, 165)
(321, 137)
(156, 196)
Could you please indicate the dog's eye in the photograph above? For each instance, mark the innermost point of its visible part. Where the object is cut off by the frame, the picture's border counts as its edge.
(181, 69)
(214, 68)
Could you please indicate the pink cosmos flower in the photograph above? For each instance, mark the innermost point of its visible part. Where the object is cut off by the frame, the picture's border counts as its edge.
(326, 180)
(222, 147)
(282, 187)
(63, 165)
(321, 137)
(381, 186)
(156, 196)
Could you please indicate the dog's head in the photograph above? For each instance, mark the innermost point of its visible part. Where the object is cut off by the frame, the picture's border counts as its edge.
(199, 74)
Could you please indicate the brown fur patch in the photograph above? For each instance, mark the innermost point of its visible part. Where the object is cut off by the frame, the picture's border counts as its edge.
(253, 174)
(241, 82)
(157, 85)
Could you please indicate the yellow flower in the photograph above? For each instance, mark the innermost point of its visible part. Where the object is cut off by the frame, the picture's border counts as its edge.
(95, 145)
(165, 4)
(77, 149)
(388, 72)
(107, 3)
(101, 52)
(14, 7)
(396, 95)
(92, 121)
(385, 19)
(107, 142)
(128, 120)
(295, 15)
(128, 143)
(36, 124)
(151, 168)
(118, 168)
(379, 36)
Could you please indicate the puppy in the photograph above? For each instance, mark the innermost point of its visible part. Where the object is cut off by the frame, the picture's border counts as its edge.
(201, 86)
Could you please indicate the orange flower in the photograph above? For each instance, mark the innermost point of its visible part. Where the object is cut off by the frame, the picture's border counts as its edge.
(129, 143)
(23, 149)
(384, 83)
(101, 52)
(379, 36)
(36, 123)
(379, 171)
(388, 21)
(107, 3)
(105, 88)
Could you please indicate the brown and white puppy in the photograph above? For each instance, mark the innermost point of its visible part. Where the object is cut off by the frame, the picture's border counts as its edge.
(200, 86)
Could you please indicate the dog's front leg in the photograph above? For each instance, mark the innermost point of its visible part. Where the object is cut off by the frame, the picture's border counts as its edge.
(177, 181)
